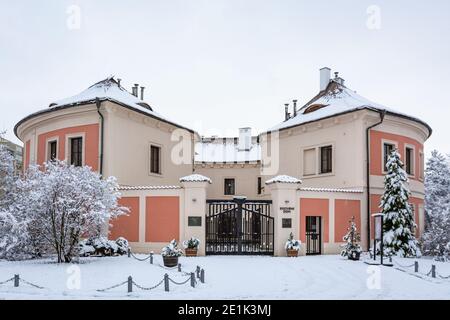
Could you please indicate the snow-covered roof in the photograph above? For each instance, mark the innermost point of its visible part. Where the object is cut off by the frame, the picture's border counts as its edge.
(283, 179)
(195, 178)
(107, 89)
(331, 190)
(226, 150)
(334, 100)
(148, 187)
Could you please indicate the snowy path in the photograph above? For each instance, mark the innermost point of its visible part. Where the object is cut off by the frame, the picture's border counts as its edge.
(241, 277)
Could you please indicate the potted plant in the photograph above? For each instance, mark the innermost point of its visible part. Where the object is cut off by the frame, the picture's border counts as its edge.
(170, 254)
(351, 249)
(191, 247)
(292, 246)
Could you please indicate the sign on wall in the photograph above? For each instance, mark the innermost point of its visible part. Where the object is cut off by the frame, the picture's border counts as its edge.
(286, 223)
(194, 221)
(287, 209)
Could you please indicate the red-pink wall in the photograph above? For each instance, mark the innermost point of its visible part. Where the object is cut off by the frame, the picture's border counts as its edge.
(27, 155)
(90, 141)
(127, 226)
(376, 151)
(344, 210)
(162, 222)
(375, 202)
(314, 207)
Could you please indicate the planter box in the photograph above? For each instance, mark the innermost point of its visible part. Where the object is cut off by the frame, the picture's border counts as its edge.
(292, 253)
(354, 256)
(190, 252)
(170, 261)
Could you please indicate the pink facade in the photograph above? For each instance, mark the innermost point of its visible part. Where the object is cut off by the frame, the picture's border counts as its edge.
(162, 218)
(127, 225)
(344, 210)
(316, 208)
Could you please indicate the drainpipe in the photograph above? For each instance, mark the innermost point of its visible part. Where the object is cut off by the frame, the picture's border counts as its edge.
(382, 114)
(102, 120)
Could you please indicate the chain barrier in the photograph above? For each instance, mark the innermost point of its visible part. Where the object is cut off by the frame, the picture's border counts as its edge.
(112, 287)
(6, 281)
(31, 284)
(139, 259)
(180, 283)
(443, 277)
(403, 266)
(148, 288)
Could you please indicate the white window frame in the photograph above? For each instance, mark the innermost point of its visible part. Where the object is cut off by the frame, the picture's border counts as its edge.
(421, 176)
(383, 142)
(303, 162)
(161, 162)
(413, 164)
(317, 172)
(47, 150)
(68, 147)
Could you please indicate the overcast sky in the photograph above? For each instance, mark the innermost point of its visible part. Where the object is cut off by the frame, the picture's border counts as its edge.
(218, 65)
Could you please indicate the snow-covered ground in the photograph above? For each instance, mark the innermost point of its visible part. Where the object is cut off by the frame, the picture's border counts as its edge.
(227, 277)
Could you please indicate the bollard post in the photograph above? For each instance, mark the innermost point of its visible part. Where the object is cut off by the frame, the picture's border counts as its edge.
(202, 276)
(151, 257)
(433, 271)
(130, 284)
(129, 253)
(179, 267)
(192, 280)
(16, 280)
(166, 282)
(416, 266)
(198, 272)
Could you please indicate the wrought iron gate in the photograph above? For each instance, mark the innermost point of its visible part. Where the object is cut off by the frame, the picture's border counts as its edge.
(239, 226)
(313, 235)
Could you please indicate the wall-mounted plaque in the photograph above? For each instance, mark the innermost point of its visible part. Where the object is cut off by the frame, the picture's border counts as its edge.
(286, 222)
(287, 209)
(194, 221)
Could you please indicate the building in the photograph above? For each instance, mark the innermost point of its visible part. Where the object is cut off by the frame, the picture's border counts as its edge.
(307, 175)
(15, 150)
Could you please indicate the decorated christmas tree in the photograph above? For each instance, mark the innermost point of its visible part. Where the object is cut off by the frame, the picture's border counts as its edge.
(398, 223)
(351, 249)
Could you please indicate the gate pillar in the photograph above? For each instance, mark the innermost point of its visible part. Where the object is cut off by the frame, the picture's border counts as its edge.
(285, 208)
(193, 218)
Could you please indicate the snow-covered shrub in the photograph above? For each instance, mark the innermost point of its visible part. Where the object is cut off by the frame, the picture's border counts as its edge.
(398, 224)
(171, 250)
(292, 244)
(351, 249)
(122, 245)
(192, 243)
(59, 203)
(101, 246)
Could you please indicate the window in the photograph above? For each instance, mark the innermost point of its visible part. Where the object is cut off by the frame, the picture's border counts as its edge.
(229, 188)
(259, 185)
(409, 160)
(387, 149)
(76, 151)
(309, 162)
(52, 151)
(326, 159)
(155, 157)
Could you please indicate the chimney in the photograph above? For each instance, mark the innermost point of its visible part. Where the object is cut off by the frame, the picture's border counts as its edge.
(142, 93)
(338, 79)
(245, 139)
(136, 89)
(118, 81)
(325, 76)
(295, 107)
(286, 111)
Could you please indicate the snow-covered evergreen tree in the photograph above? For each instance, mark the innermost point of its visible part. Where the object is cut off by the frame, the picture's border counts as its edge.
(6, 175)
(351, 248)
(398, 223)
(436, 238)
